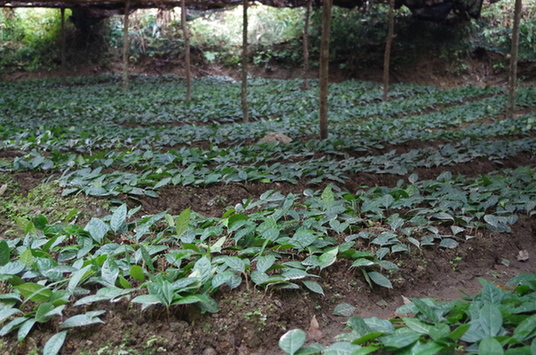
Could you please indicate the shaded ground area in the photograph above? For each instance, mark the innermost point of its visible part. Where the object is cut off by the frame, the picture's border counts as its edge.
(250, 320)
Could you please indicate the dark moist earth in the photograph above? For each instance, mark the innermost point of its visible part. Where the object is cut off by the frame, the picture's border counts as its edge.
(251, 321)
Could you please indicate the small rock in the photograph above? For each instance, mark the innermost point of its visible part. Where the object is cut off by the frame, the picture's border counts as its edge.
(523, 255)
(271, 137)
(209, 351)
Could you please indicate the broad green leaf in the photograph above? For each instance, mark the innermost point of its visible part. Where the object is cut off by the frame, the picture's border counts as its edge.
(138, 273)
(327, 195)
(413, 178)
(294, 274)
(147, 300)
(343, 310)
(147, 258)
(27, 258)
(235, 263)
(303, 238)
(25, 329)
(365, 350)
(490, 319)
(429, 348)
(367, 338)
(379, 325)
(491, 293)
(387, 200)
(443, 216)
(490, 346)
(216, 247)
(202, 270)
(4, 253)
(265, 262)
(311, 349)
(14, 324)
(8, 312)
(439, 331)
(42, 311)
(103, 294)
(83, 319)
(426, 310)
(54, 344)
(416, 325)
(292, 340)
(124, 282)
(359, 325)
(379, 279)
(400, 338)
(341, 348)
(526, 329)
(97, 229)
(109, 271)
(313, 286)
(328, 258)
(34, 292)
(183, 220)
(457, 333)
(117, 222)
(78, 277)
(448, 243)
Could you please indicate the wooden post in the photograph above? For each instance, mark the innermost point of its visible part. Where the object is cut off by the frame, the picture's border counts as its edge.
(126, 46)
(388, 44)
(324, 68)
(62, 12)
(306, 85)
(186, 52)
(244, 90)
(513, 61)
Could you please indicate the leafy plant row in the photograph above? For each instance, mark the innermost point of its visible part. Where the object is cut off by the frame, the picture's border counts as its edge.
(169, 261)
(197, 167)
(61, 119)
(498, 320)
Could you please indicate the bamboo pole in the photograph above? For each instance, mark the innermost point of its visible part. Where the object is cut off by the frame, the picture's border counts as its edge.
(324, 68)
(512, 82)
(244, 90)
(126, 46)
(186, 52)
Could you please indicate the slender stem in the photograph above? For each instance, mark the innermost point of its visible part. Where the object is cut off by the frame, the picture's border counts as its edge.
(244, 90)
(126, 46)
(186, 51)
(388, 44)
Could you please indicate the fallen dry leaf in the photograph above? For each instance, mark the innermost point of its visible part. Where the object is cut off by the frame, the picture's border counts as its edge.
(523, 255)
(3, 189)
(314, 332)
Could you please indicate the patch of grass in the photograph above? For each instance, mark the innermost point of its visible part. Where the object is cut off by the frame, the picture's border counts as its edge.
(44, 199)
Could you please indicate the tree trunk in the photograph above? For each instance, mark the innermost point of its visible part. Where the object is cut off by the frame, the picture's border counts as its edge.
(513, 61)
(324, 68)
(306, 85)
(126, 46)
(186, 52)
(62, 13)
(388, 44)
(244, 91)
